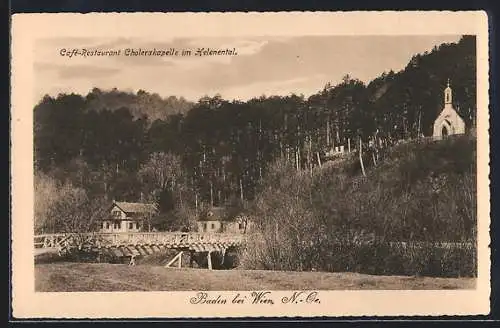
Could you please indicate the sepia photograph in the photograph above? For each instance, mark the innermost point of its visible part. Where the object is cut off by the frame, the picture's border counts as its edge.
(259, 162)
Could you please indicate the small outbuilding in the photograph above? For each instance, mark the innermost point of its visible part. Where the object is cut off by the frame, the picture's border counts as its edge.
(217, 220)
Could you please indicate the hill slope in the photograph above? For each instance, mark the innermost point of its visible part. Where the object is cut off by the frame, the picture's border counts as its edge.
(422, 192)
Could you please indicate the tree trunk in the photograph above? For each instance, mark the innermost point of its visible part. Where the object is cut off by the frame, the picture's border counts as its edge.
(297, 160)
(241, 190)
(328, 133)
(180, 196)
(361, 157)
(196, 202)
(309, 156)
(211, 194)
(418, 131)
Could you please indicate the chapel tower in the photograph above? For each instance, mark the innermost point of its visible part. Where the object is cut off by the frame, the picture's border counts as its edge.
(447, 94)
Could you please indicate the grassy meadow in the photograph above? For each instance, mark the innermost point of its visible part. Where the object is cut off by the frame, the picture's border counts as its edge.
(83, 277)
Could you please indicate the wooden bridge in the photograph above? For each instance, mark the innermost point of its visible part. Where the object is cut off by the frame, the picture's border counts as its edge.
(137, 243)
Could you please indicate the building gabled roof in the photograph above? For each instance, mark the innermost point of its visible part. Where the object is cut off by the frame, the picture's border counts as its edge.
(220, 214)
(136, 207)
(213, 214)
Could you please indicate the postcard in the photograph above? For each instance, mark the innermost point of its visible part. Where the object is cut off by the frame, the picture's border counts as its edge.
(228, 165)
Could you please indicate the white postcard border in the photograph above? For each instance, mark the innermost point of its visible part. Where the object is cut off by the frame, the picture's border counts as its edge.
(26, 28)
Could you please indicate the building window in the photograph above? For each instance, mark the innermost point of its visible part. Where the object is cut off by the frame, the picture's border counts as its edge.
(213, 226)
(131, 225)
(107, 225)
(204, 227)
(240, 225)
(116, 214)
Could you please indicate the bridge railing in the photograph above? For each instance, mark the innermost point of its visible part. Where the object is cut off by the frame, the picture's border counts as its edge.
(136, 238)
(50, 240)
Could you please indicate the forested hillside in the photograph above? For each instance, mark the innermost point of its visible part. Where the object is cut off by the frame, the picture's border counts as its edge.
(423, 193)
(141, 104)
(115, 145)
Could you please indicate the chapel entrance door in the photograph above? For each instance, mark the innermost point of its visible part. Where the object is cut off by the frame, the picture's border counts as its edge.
(444, 131)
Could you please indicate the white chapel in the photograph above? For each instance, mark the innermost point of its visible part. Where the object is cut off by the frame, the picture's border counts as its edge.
(448, 122)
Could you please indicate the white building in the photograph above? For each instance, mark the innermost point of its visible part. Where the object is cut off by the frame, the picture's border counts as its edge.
(448, 122)
(128, 217)
(216, 220)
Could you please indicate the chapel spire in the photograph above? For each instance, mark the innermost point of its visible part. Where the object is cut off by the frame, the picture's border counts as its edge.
(447, 93)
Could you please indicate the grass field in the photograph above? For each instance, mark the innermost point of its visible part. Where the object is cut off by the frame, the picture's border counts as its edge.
(73, 277)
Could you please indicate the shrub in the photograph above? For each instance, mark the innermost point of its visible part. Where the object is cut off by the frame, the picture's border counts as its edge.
(422, 193)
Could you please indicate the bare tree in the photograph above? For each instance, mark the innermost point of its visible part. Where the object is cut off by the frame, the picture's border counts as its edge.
(75, 212)
(47, 194)
(163, 170)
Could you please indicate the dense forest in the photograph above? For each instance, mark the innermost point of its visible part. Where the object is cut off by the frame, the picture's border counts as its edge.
(186, 156)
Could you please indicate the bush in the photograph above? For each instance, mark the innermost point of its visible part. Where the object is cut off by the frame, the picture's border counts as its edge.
(422, 193)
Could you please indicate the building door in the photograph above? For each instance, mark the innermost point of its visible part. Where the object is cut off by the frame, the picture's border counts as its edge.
(444, 131)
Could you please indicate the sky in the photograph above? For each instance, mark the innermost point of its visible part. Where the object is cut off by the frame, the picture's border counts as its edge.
(263, 65)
